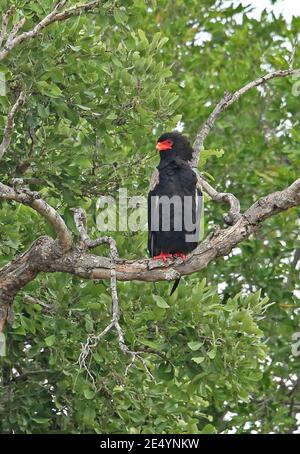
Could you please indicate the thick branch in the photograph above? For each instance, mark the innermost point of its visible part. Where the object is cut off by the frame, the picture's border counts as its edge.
(220, 244)
(47, 255)
(54, 16)
(10, 124)
(22, 270)
(228, 100)
(34, 200)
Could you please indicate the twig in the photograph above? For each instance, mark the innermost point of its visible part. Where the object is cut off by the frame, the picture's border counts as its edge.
(77, 10)
(227, 100)
(17, 26)
(34, 200)
(5, 19)
(54, 16)
(296, 259)
(292, 56)
(222, 197)
(28, 299)
(81, 225)
(93, 340)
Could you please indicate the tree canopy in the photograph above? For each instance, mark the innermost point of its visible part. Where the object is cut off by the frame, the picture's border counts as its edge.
(83, 99)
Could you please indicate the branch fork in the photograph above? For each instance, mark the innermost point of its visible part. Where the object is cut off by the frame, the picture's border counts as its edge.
(93, 340)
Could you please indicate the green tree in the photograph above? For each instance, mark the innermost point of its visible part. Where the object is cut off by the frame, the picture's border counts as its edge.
(88, 88)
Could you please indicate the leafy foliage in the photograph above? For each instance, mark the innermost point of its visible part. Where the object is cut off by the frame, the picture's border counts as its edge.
(101, 88)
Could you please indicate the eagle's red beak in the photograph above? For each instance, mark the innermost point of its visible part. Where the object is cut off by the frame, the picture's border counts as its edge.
(165, 145)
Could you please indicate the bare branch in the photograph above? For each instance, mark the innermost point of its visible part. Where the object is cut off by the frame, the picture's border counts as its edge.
(28, 299)
(34, 180)
(221, 197)
(34, 200)
(227, 100)
(54, 16)
(77, 10)
(22, 270)
(93, 340)
(5, 19)
(16, 28)
(10, 124)
(292, 56)
(81, 225)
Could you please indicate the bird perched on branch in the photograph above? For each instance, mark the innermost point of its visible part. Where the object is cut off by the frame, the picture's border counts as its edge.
(174, 201)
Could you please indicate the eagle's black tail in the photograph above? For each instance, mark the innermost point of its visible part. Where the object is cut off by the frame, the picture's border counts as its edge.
(176, 283)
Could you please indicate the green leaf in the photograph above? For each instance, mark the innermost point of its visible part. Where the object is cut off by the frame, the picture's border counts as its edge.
(195, 345)
(49, 89)
(41, 420)
(89, 393)
(198, 359)
(120, 16)
(208, 429)
(160, 302)
(212, 353)
(50, 340)
(205, 154)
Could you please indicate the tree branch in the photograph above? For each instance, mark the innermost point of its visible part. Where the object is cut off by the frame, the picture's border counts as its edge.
(81, 225)
(93, 340)
(34, 200)
(10, 124)
(227, 100)
(77, 10)
(293, 53)
(5, 19)
(28, 299)
(221, 197)
(218, 245)
(89, 266)
(54, 16)
(296, 259)
(22, 270)
(47, 255)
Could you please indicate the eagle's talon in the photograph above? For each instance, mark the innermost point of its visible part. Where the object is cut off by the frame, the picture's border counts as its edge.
(163, 257)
